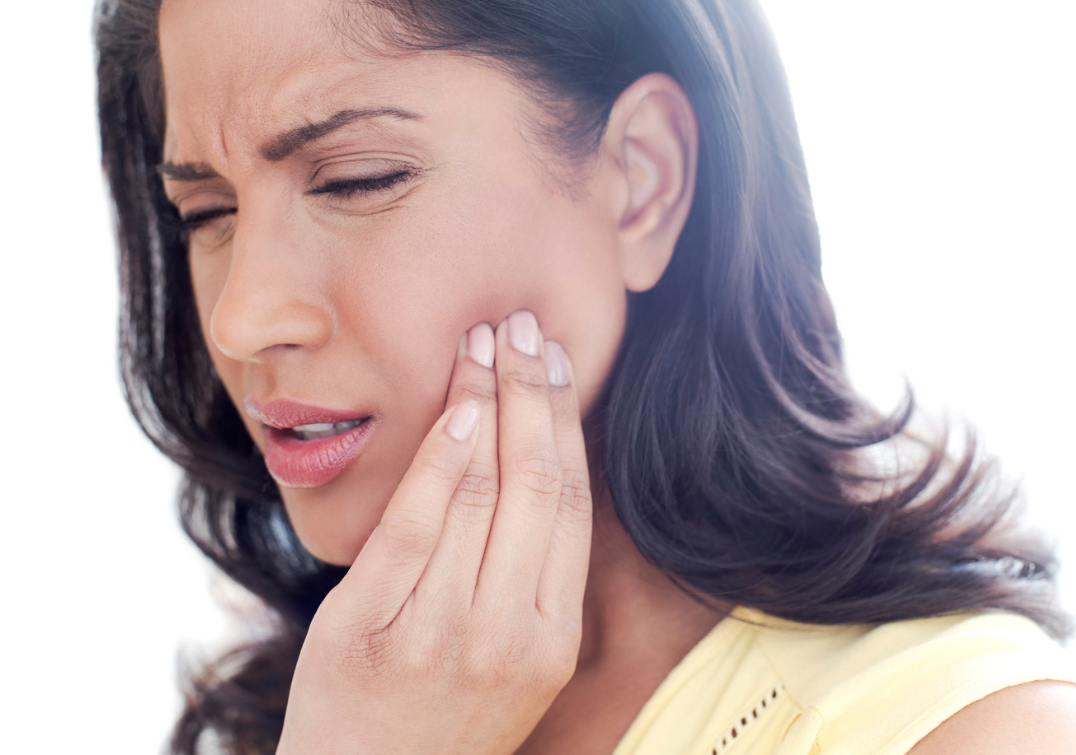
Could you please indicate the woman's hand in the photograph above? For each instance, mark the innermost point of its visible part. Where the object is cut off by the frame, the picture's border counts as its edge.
(460, 620)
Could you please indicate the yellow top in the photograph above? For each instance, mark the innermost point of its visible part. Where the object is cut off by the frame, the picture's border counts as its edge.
(759, 685)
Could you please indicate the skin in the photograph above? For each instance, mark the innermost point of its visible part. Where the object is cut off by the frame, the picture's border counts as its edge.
(360, 303)
(1038, 717)
(363, 303)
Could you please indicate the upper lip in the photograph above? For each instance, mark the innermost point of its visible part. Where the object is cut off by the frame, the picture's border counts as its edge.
(284, 413)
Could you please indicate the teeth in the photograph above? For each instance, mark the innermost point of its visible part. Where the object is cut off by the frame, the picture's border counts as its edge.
(324, 429)
(321, 427)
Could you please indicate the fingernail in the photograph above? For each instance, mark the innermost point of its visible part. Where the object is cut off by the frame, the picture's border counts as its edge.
(481, 344)
(556, 364)
(523, 332)
(463, 420)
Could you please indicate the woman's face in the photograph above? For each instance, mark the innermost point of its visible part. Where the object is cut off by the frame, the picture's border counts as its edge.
(312, 290)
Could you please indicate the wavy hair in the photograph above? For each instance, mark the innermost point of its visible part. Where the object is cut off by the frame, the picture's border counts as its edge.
(738, 456)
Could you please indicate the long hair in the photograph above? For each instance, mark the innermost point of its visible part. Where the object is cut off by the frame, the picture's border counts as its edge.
(737, 455)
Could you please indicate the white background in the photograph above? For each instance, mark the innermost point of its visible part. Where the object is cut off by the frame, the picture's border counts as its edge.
(939, 141)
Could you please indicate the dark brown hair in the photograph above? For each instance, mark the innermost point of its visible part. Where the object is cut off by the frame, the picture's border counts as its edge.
(735, 450)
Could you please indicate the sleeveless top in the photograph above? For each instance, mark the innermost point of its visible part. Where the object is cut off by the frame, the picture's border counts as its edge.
(759, 685)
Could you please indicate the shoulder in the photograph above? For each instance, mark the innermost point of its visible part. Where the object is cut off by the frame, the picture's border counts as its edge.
(889, 688)
(1035, 718)
(839, 663)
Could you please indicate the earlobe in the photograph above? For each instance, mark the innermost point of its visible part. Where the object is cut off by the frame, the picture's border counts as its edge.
(653, 140)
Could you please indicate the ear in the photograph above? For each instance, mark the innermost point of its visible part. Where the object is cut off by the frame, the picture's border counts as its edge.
(651, 143)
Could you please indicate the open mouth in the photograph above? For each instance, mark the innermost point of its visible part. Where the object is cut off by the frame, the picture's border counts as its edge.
(314, 454)
(324, 429)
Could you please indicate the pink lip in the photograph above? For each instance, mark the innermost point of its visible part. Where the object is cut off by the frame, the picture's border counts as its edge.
(296, 463)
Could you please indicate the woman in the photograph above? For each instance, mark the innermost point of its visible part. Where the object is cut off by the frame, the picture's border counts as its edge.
(493, 342)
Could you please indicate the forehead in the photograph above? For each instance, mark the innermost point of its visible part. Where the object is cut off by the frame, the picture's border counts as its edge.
(237, 72)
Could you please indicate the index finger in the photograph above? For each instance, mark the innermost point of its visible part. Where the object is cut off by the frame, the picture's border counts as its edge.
(452, 574)
(390, 564)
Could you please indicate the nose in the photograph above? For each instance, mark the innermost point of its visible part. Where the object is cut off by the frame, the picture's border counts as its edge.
(271, 296)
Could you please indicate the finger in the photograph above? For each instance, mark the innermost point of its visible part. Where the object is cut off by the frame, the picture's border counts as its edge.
(397, 551)
(529, 467)
(453, 569)
(564, 574)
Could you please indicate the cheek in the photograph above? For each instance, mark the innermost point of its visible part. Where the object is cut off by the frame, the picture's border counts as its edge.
(417, 291)
(507, 247)
(404, 288)
(561, 263)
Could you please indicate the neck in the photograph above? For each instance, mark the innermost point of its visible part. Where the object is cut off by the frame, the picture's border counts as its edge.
(631, 607)
(631, 610)
(637, 625)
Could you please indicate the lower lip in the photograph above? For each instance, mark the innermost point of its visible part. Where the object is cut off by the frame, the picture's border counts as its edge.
(296, 463)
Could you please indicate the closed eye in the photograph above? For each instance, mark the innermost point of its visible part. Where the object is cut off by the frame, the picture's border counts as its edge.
(197, 219)
(347, 188)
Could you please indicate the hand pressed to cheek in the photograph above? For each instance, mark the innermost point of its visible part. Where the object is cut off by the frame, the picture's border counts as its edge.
(455, 563)
(465, 607)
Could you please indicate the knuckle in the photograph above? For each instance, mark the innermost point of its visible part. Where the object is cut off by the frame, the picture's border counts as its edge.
(539, 471)
(481, 391)
(364, 653)
(516, 657)
(575, 495)
(523, 381)
(478, 489)
(560, 651)
(442, 468)
(448, 654)
(509, 660)
(410, 534)
(566, 633)
(560, 665)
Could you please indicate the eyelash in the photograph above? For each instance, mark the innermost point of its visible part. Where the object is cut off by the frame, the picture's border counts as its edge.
(351, 186)
(198, 219)
(344, 189)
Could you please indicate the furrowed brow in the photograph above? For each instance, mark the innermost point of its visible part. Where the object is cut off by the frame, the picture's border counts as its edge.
(286, 144)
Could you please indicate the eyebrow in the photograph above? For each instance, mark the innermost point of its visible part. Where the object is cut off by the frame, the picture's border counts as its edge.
(286, 144)
(289, 142)
(187, 171)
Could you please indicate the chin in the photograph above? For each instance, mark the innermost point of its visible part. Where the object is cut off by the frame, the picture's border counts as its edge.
(333, 528)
